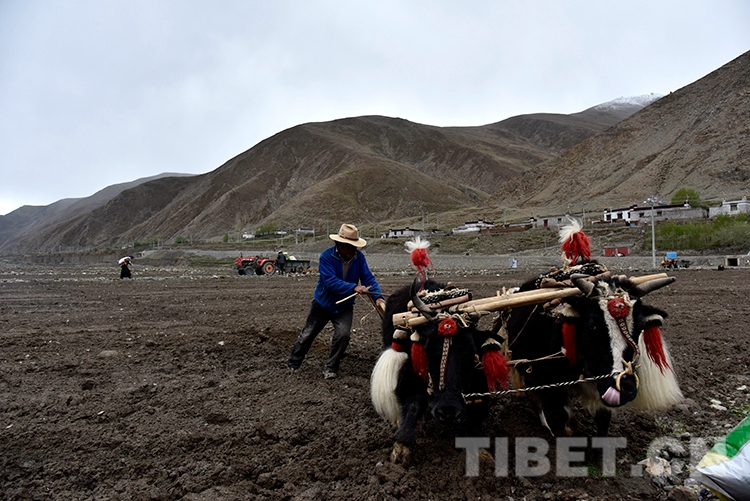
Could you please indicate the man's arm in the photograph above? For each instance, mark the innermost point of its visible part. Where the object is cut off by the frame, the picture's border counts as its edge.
(370, 283)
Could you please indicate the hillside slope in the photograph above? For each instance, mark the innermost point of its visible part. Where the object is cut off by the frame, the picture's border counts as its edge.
(28, 221)
(696, 137)
(364, 169)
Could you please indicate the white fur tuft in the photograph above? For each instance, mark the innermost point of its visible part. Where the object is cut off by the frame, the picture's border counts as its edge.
(657, 390)
(383, 384)
(572, 227)
(416, 243)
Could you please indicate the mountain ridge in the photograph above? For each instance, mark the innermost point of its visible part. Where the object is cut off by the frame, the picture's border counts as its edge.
(321, 171)
(696, 137)
(381, 170)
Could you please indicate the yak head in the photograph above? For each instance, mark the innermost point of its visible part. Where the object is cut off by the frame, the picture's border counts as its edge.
(453, 357)
(612, 335)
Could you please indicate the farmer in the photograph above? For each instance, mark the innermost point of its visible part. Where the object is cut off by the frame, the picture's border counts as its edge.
(281, 261)
(125, 266)
(343, 274)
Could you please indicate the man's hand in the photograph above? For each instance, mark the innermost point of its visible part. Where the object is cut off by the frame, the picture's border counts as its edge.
(361, 289)
(380, 303)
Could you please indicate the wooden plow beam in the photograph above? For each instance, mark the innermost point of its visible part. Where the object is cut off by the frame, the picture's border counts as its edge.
(506, 300)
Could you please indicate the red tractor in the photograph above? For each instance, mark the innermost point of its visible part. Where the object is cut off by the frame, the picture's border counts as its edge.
(255, 265)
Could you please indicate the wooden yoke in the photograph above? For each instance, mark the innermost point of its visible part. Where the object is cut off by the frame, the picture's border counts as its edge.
(507, 300)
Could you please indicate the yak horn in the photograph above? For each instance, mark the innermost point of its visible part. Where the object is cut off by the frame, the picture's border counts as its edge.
(584, 285)
(652, 285)
(418, 303)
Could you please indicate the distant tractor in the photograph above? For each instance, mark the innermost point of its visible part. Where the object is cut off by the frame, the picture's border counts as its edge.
(257, 265)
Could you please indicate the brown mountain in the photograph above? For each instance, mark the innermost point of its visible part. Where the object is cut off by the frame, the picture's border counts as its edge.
(364, 169)
(697, 137)
(30, 220)
(376, 169)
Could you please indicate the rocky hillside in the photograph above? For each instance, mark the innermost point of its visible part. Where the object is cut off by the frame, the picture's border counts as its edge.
(697, 137)
(364, 169)
(380, 171)
(38, 220)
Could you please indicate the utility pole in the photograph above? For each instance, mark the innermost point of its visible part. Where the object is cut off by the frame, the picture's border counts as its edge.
(584, 212)
(653, 200)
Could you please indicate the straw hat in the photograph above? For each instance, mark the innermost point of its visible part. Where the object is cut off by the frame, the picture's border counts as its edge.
(349, 234)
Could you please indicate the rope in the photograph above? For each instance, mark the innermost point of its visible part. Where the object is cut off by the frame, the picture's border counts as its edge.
(495, 394)
(559, 354)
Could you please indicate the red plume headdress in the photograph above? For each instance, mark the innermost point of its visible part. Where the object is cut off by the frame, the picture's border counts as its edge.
(417, 248)
(575, 244)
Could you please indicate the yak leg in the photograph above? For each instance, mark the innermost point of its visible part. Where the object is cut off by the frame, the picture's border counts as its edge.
(406, 436)
(475, 416)
(602, 418)
(555, 412)
(474, 427)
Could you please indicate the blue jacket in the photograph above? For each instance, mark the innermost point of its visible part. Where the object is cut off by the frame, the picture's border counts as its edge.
(333, 285)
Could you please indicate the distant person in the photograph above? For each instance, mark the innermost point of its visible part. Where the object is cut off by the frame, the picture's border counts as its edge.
(281, 261)
(125, 266)
(343, 273)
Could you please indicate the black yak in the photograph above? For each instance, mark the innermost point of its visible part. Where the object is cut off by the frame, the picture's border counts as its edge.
(435, 363)
(606, 334)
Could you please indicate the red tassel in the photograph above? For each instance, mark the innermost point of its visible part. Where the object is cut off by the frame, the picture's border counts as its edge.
(655, 347)
(417, 250)
(495, 369)
(577, 246)
(396, 346)
(419, 360)
(569, 342)
(420, 259)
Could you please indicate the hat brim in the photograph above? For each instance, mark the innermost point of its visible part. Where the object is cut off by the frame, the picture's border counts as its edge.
(356, 243)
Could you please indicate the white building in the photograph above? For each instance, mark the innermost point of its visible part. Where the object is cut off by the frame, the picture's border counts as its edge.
(634, 214)
(397, 233)
(472, 227)
(730, 208)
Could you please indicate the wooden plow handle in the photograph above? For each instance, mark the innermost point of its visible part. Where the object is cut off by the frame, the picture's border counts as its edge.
(507, 300)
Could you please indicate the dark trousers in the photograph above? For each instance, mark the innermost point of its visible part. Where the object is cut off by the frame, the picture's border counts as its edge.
(124, 271)
(316, 320)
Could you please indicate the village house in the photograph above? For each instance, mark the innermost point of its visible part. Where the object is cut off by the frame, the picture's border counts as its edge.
(397, 233)
(634, 214)
(730, 208)
(550, 221)
(472, 227)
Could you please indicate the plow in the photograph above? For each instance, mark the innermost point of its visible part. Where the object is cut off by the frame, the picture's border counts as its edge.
(506, 299)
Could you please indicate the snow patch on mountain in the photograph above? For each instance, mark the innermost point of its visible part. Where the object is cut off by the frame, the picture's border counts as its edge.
(627, 102)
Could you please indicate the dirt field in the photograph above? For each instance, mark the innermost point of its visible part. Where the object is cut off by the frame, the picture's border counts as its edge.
(173, 385)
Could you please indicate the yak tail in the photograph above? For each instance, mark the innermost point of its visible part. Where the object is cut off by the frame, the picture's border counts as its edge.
(658, 385)
(383, 385)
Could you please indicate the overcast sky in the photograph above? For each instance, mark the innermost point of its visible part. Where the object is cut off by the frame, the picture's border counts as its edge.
(99, 92)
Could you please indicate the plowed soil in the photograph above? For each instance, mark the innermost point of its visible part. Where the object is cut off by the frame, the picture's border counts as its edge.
(173, 385)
